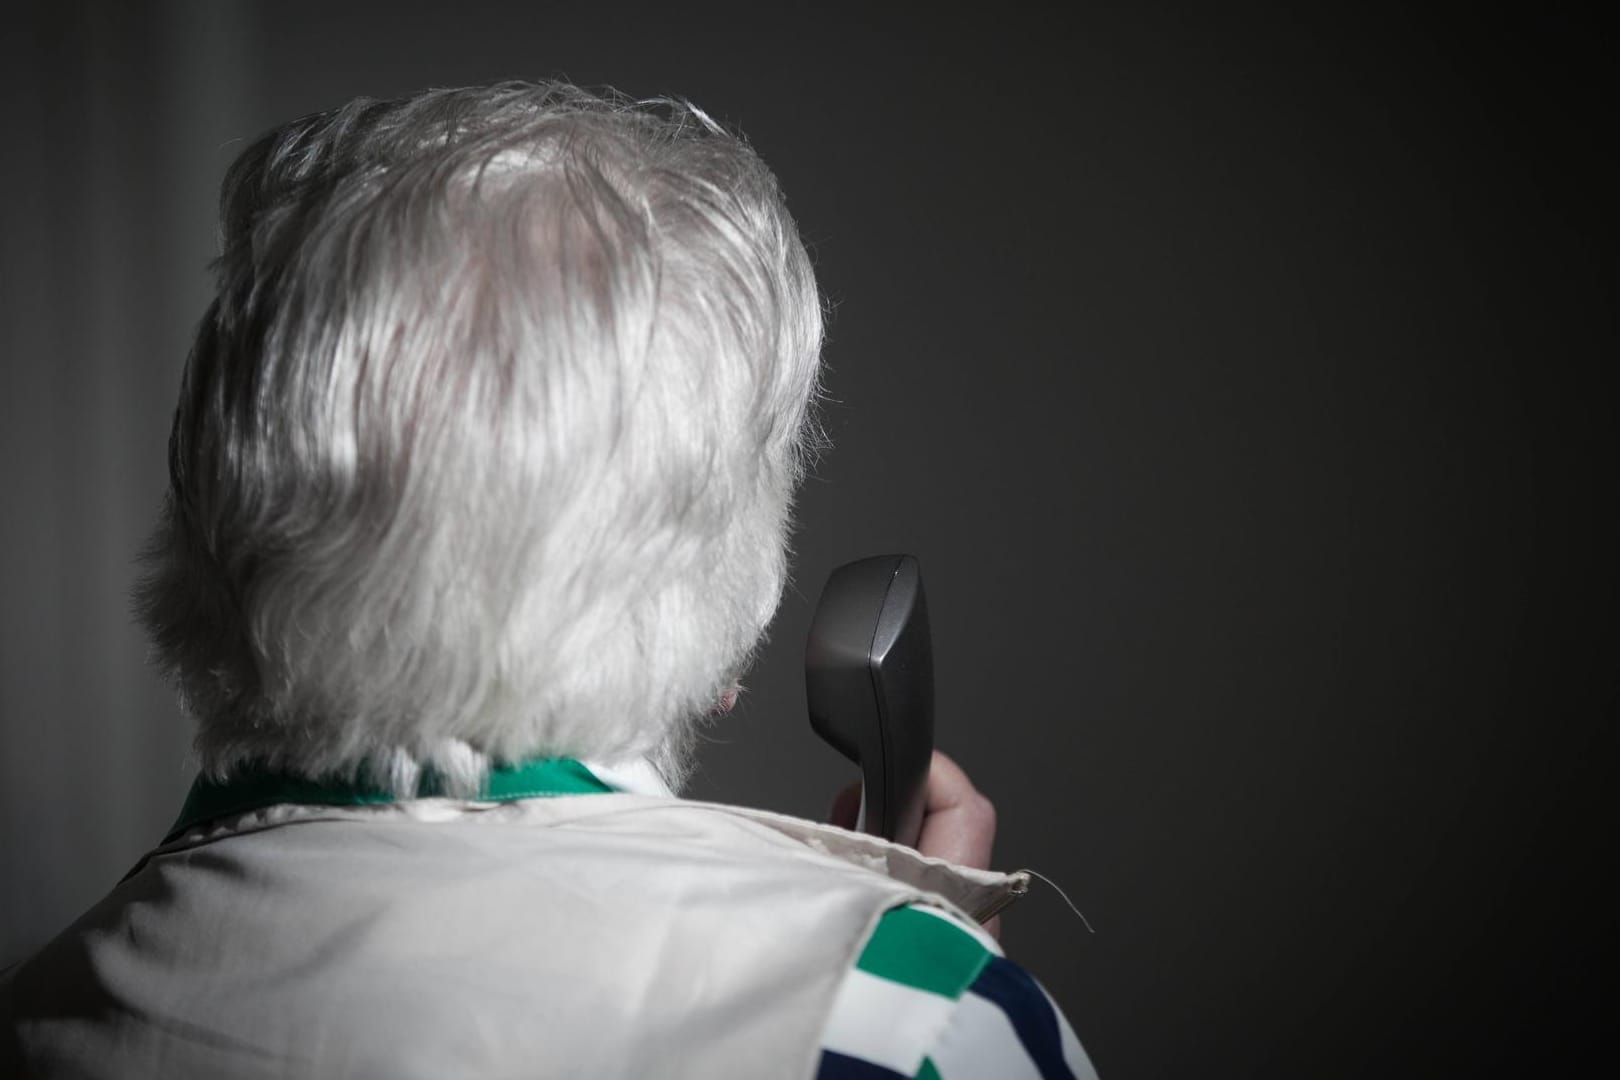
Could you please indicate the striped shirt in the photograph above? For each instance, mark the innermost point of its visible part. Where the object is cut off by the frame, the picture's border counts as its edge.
(931, 998)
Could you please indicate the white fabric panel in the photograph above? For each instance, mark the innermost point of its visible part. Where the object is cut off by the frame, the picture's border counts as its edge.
(885, 1022)
(980, 1042)
(592, 935)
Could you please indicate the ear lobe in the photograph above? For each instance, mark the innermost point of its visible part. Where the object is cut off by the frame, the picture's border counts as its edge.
(728, 698)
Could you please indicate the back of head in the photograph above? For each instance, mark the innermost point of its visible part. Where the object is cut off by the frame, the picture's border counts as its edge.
(487, 443)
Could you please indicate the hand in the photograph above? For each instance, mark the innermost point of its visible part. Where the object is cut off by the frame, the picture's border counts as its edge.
(959, 823)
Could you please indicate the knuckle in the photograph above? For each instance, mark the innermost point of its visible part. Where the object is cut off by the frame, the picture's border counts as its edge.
(984, 810)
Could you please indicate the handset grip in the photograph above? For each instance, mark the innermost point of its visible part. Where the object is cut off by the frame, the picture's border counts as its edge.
(869, 682)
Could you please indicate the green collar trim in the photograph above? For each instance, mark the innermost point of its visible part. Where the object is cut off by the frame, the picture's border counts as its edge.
(255, 788)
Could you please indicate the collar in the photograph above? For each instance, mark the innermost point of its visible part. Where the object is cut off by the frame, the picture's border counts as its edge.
(254, 788)
(980, 893)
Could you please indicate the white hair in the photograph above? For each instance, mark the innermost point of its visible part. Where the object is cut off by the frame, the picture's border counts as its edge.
(487, 443)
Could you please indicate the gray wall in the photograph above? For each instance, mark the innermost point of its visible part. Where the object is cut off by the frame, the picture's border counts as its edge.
(117, 123)
(1235, 380)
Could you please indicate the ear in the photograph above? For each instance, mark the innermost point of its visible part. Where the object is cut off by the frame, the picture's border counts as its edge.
(728, 698)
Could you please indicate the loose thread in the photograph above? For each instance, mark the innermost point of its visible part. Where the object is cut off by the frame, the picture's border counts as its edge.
(1066, 900)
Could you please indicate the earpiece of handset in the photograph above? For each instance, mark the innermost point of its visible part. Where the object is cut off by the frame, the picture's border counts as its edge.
(869, 681)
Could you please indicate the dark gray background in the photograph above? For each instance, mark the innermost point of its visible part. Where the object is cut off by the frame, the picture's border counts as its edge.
(1238, 380)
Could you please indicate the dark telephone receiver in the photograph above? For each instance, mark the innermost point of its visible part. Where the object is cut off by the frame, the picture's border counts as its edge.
(869, 680)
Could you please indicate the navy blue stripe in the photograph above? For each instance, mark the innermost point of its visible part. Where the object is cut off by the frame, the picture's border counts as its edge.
(843, 1067)
(1011, 989)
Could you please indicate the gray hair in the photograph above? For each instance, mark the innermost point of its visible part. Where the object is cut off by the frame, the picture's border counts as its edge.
(487, 444)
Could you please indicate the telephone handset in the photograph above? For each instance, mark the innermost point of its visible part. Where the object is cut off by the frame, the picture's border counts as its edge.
(869, 680)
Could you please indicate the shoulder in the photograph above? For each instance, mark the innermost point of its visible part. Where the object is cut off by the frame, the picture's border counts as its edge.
(931, 997)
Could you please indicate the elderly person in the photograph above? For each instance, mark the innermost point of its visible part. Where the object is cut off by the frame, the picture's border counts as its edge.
(480, 489)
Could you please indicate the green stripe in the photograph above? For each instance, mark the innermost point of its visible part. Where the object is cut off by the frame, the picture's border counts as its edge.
(921, 951)
(253, 789)
(546, 776)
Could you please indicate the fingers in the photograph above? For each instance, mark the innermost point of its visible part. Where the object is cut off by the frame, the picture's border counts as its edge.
(959, 823)
(948, 785)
